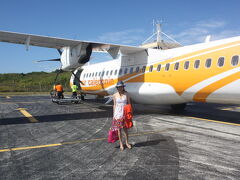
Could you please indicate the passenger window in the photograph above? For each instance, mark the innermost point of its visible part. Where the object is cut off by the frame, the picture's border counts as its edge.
(99, 74)
(159, 67)
(137, 69)
(186, 65)
(96, 74)
(220, 61)
(176, 66)
(151, 68)
(235, 60)
(103, 73)
(115, 73)
(131, 70)
(107, 73)
(143, 69)
(126, 70)
(111, 72)
(197, 64)
(167, 67)
(208, 63)
(120, 72)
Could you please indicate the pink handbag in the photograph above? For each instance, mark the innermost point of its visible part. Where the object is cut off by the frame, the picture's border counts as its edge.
(112, 136)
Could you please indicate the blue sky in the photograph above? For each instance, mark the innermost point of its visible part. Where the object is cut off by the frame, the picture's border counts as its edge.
(126, 22)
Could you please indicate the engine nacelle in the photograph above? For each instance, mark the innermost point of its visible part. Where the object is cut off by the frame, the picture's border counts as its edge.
(74, 57)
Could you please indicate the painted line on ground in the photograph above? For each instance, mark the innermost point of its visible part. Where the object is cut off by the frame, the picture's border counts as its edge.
(83, 141)
(8, 97)
(229, 109)
(28, 115)
(203, 119)
(21, 102)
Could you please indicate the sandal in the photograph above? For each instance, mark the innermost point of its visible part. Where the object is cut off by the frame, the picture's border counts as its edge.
(129, 146)
(121, 148)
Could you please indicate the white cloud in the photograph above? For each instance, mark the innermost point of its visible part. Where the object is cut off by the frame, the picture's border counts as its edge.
(129, 37)
(197, 32)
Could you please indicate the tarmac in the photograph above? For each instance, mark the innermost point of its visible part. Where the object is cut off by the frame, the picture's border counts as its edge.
(43, 140)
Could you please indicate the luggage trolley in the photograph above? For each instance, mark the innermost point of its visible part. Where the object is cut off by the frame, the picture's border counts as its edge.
(65, 100)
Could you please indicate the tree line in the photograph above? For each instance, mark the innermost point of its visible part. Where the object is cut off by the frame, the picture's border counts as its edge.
(33, 82)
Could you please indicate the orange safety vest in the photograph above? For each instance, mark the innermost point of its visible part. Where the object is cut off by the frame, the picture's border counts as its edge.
(59, 88)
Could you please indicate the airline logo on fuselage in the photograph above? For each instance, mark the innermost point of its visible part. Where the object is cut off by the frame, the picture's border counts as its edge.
(96, 82)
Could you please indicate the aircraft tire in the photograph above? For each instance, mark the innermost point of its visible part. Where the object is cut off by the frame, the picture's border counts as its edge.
(178, 107)
(82, 98)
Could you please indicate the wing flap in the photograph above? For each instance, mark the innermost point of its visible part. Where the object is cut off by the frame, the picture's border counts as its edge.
(58, 43)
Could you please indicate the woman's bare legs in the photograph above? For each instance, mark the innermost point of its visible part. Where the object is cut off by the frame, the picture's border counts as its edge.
(126, 137)
(120, 139)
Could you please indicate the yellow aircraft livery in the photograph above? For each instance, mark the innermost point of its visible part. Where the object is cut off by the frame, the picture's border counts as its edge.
(205, 72)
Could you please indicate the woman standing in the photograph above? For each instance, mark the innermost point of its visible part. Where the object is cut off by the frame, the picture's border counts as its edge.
(120, 99)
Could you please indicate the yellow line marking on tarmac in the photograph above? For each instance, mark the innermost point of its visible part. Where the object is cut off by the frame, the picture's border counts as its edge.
(81, 141)
(229, 109)
(202, 119)
(20, 102)
(28, 115)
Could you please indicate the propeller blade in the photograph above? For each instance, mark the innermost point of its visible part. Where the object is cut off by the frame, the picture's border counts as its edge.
(58, 59)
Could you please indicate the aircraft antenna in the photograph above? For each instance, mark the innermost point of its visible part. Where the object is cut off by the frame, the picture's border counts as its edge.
(159, 38)
(153, 26)
(159, 43)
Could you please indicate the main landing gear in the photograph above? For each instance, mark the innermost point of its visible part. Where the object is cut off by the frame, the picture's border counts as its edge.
(178, 107)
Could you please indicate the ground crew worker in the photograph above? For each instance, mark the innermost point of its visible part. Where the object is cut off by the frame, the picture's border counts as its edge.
(59, 90)
(74, 90)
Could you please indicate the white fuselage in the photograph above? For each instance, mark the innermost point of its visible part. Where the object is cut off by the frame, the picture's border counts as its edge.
(206, 72)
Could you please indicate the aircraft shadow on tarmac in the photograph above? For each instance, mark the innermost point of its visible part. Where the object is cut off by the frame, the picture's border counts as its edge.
(211, 112)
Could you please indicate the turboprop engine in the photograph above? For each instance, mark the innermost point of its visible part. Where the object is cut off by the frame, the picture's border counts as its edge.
(74, 57)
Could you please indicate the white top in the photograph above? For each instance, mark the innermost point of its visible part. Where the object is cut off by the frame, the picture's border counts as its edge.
(121, 101)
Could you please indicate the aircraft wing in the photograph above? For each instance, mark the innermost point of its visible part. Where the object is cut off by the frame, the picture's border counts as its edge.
(58, 43)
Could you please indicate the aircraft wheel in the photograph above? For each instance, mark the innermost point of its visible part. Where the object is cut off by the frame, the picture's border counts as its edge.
(178, 107)
(82, 98)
